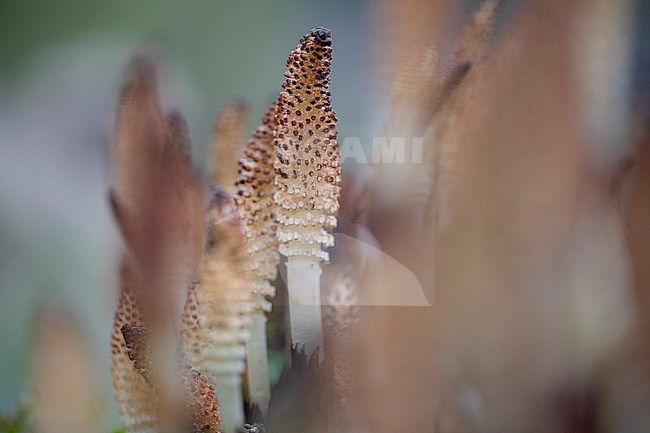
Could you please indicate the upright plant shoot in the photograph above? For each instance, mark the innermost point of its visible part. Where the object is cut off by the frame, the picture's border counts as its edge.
(257, 211)
(307, 179)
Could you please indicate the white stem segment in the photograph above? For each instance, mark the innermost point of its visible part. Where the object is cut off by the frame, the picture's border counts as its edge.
(257, 363)
(303, 276)
(231, 403)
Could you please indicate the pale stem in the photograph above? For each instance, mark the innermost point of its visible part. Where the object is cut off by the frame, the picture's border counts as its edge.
(303, 276)
(257, 362)
(231, 403)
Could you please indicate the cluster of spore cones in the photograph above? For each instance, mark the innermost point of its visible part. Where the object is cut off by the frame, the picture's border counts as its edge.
(201, 265)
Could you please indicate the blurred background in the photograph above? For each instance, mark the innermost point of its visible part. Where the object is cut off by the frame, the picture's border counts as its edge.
(61, 64)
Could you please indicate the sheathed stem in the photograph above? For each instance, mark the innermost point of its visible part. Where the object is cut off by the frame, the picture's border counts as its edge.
(303, 276)
(307, 178)
(256, 210)
(257, 363)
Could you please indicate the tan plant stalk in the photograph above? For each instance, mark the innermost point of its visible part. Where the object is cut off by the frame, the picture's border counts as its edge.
(421, 98)
(457, 85)
(307, 177)
(257, 212)
(201, 402)
(413, 91)
(474, 41)
(401, 26)
(341, 320)
(182, 223)
(413, 101)
(228, 138)
(453, 92)
(136, 400)
(157, 200)
(137, 147)
(191, 338)
(223, 300)
(199, 405)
